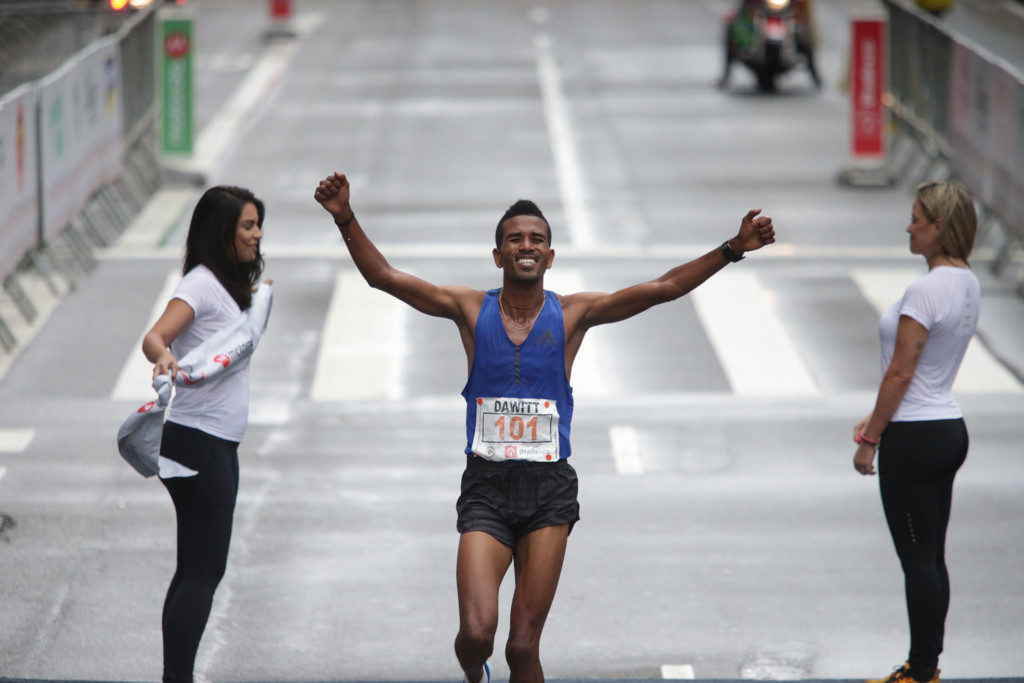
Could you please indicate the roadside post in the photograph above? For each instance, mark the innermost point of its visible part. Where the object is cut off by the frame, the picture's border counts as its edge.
(175, 46)
(868, 116)
(279, 17)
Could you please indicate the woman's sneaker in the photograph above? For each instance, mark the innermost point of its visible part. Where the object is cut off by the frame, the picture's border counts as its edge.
(902, 675)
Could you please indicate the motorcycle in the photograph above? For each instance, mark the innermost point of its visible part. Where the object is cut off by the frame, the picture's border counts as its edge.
(770, 37)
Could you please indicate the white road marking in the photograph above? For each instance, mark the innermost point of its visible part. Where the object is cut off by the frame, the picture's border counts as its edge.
(213, 141)
(980, 372)
(482, 250)
(538, 15)
(3, 471)
(587, 374)
(223, 61)
(626, 453)
(753, 347)
(160, 213)
(361, 345)
(563, 145)
(135, 383)
(15, 440)
(677, 671)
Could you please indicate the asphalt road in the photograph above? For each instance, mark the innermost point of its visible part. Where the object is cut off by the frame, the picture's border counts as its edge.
(723, 527)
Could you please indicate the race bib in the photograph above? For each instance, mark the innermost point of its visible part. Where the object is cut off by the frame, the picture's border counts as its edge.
(516, 429)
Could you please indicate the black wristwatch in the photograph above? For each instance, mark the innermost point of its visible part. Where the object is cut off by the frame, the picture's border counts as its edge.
(729, 254)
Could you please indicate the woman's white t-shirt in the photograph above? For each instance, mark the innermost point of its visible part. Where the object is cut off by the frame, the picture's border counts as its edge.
(946, 302)
(220, 406)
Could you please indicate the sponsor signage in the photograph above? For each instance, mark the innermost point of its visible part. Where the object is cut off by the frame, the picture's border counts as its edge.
(19, 214)
(80, 132)
(175, 48)
(867, 89)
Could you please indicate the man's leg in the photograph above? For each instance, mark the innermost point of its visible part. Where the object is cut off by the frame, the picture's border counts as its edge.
(538, 559)
(481, 565)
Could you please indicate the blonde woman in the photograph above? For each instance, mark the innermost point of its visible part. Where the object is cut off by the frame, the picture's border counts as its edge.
(917, 427)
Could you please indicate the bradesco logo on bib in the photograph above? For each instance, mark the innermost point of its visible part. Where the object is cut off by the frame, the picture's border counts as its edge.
(516, 429)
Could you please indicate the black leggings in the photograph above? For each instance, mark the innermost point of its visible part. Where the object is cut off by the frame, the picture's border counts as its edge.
(204, 505)
(917, 462)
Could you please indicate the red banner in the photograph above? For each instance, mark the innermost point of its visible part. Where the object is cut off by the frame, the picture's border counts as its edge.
(867, 87)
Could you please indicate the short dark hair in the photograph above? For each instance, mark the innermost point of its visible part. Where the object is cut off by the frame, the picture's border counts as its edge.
(211, 240)
(523, 207)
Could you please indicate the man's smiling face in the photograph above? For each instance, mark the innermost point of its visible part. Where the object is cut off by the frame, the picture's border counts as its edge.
(525, 251)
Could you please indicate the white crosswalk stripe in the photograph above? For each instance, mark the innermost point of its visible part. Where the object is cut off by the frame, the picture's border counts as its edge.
(587, 375)
(15, 440)
(980, 373)
(626, 450)
(134, 383)
(753, 347)
(361, 346)
(677, 671)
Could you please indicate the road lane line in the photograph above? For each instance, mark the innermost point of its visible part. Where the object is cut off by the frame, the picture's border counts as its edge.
(3, 471)
(135, 383)
(15, 440)
(757, 354)
(626, 453)
(563, 145)
(216, 137)
(361, 344)
(161, 213)
(980, 372)
(677, 671)
(587, 374)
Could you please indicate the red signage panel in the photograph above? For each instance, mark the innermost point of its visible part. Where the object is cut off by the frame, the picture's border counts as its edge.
(867, 88)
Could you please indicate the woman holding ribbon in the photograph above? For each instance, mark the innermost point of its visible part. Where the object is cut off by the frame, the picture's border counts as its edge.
(198, 461)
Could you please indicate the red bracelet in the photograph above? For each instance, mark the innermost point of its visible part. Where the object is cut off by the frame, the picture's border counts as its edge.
(864, 439)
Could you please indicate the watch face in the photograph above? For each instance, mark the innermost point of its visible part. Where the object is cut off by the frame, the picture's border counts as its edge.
(729, 254)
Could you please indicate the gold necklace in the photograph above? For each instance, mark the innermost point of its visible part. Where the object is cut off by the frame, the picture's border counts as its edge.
(511, 323)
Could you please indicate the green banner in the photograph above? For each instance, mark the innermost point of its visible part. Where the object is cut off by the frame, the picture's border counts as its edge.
(175, 47)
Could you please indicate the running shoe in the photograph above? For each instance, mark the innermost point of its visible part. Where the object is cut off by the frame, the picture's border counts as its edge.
(902, 675)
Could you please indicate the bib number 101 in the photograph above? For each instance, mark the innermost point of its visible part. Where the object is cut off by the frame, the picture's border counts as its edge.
(517, 428)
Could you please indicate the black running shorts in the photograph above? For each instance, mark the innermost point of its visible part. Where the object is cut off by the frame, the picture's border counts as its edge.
(510, 499)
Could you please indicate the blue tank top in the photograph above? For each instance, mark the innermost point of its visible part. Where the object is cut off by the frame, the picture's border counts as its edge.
(534, 371)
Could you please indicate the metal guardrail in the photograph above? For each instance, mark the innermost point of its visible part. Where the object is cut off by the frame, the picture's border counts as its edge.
(81, 139)
(964, 108)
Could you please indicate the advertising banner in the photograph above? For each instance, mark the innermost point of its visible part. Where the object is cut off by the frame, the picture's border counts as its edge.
(175, 51)
(19, 215)
(80, 124)
(867, 87)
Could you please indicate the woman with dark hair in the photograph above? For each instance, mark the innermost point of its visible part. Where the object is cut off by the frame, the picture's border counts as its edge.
(205, 423)
(917, 426)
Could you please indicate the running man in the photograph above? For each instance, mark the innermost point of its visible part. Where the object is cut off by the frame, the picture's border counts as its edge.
(518, 501)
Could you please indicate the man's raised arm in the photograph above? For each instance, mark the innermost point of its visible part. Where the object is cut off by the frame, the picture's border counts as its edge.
(444, 302)
(598, 309)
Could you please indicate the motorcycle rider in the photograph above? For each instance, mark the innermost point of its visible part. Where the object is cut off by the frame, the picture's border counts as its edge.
(741, 25)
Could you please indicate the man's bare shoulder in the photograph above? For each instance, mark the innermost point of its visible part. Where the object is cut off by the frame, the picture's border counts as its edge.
(466, 297)
(578, 299)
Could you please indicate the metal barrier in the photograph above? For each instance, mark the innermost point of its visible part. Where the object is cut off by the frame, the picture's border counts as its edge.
(81, 145)
(964, 108)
